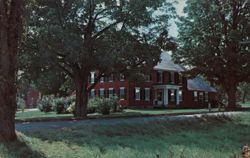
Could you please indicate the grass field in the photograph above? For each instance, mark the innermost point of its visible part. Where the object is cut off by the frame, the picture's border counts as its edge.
(36, 115)
(246, 104)
(204, 138)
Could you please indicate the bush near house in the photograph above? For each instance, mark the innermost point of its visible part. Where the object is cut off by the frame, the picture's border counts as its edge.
(45, 104)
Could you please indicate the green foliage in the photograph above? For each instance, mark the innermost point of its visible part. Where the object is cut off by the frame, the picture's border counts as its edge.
(20, 103)
(105, 106)
(214, 41)
(45, 104)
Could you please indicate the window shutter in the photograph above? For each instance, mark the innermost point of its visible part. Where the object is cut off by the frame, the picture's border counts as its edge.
(134, 93)
(163, 76)
(107, 94)
(125, 93)
(142, 97)
(114, 92)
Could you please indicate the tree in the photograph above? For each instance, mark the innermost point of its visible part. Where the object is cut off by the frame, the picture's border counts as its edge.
(10, 28)
(214, 41)
(111, 36)
(243, 91)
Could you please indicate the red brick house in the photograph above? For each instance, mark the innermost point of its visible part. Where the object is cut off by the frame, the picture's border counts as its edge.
(164, 87)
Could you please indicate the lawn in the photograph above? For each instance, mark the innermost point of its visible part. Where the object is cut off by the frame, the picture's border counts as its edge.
(245, 105)
(36, 115)
(217, 137)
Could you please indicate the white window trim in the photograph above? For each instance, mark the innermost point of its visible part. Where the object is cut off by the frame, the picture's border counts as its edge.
(111, 77)
(92, 77)
(101, 79)
(137, 99)
(147, 89)
(120, 77)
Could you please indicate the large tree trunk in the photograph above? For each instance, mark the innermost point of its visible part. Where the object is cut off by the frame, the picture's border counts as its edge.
(10, 26)
(81, 97)
(232, 94)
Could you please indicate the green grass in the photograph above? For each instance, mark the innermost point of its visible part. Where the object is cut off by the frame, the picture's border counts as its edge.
(246, 104)
(42, 116)
(218, 137)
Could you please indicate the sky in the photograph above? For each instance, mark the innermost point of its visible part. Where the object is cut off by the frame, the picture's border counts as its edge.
(173, 30)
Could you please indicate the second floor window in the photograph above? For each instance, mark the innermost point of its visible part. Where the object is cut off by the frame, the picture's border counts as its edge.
(122, 77)
(171, 77)
(102, 79)
(147, 78)
(159, 76)
(92, 77)
(111, 78)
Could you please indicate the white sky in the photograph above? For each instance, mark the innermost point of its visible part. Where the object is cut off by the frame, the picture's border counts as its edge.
(173, 30)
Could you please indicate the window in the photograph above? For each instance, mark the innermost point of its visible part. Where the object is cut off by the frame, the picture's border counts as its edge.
(92, 79)
(137, 93)
(147, 78)
(102, 79)
(206, 96)
(110, 78)
(201, 96)
(195, 96)
(147, 94)
(92, 93)
(159, 77)
(180, 78)
(102, 92)
(172, 96)
(111, 92)
(122, 93)
(171, 77)
(180, 95)
(122, 77)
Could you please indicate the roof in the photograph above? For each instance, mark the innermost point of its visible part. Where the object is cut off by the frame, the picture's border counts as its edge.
(199, 84)
(167, 64)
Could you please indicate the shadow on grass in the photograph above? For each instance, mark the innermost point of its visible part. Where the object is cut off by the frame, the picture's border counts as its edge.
(19, 149)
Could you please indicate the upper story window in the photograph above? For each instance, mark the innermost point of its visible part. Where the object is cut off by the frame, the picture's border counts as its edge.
(122, 93)
(206, 96)
(122, 77)
(102, 79)
(201, 97)
(147, 78)
(137, 93)
(180, 78)
(159, 76)
(172, 77)
(111, 78)
(180, 95)
(92, 77)
(195, 94)
(147, 94)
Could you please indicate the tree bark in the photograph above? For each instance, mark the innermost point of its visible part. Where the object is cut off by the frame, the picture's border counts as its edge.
(81, 97)
(232, 94)
(10, 27)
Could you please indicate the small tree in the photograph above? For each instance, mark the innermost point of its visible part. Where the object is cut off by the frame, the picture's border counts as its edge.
(110, 36)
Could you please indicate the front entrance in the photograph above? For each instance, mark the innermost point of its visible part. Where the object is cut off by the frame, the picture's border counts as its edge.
(159, 97)
(172, 96)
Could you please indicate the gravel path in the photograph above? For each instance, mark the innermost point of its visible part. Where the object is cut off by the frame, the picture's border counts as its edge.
(36, 126)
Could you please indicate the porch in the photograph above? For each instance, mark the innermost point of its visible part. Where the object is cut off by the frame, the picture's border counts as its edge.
(166, 96)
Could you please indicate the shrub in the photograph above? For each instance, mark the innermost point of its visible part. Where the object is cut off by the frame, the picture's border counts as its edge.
(115, 104)
(105, 106)
(61, 106)
(93, 105)
(45, 104)
(71, 108)
(20, 103)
